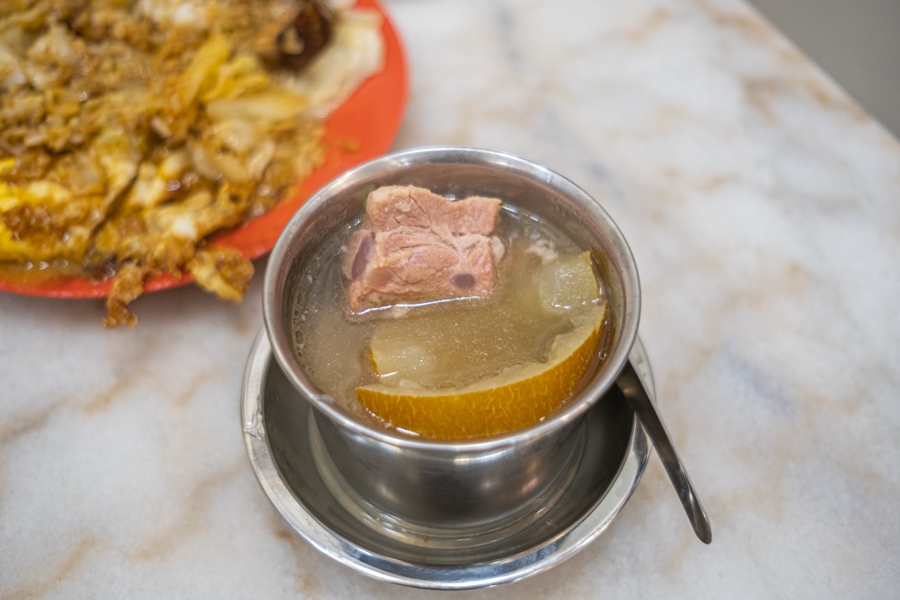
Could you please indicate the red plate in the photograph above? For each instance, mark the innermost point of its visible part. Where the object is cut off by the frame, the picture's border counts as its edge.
(369, 120)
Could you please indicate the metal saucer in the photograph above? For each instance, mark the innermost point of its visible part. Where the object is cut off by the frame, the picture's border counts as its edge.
(294, 470)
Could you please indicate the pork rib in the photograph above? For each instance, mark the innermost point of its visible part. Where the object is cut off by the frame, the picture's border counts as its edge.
(416, 245)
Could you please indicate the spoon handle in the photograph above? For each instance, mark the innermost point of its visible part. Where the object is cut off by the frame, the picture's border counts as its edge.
(630, 384)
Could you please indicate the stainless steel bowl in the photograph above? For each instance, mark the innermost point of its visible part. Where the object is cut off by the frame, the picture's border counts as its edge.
(286, 452)
(456, 485)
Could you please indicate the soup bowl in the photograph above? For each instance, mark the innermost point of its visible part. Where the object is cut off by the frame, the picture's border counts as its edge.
(482, 483)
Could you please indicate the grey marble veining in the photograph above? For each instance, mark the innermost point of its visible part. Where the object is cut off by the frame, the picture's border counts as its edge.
(763, 208)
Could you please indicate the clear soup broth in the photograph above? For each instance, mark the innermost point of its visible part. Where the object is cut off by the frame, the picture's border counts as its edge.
(450, 357)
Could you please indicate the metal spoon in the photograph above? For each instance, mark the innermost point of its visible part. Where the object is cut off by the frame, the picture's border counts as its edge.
(630, 384)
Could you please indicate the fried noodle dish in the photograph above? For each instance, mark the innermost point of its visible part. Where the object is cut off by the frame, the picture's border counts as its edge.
(131, 130)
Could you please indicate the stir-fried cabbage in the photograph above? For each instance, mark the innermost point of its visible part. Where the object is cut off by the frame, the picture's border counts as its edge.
(132, 129)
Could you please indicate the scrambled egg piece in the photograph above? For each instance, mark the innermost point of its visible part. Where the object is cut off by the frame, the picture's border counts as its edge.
(130, 130)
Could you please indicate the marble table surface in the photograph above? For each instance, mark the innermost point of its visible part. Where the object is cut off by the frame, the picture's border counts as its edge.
(763, 208)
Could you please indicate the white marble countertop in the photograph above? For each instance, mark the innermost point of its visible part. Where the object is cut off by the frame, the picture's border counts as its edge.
(763, 208)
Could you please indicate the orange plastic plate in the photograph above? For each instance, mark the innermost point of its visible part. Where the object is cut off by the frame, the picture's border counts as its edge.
(368, 122)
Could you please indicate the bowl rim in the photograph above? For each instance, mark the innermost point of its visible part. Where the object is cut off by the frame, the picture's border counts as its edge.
(623, 263)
